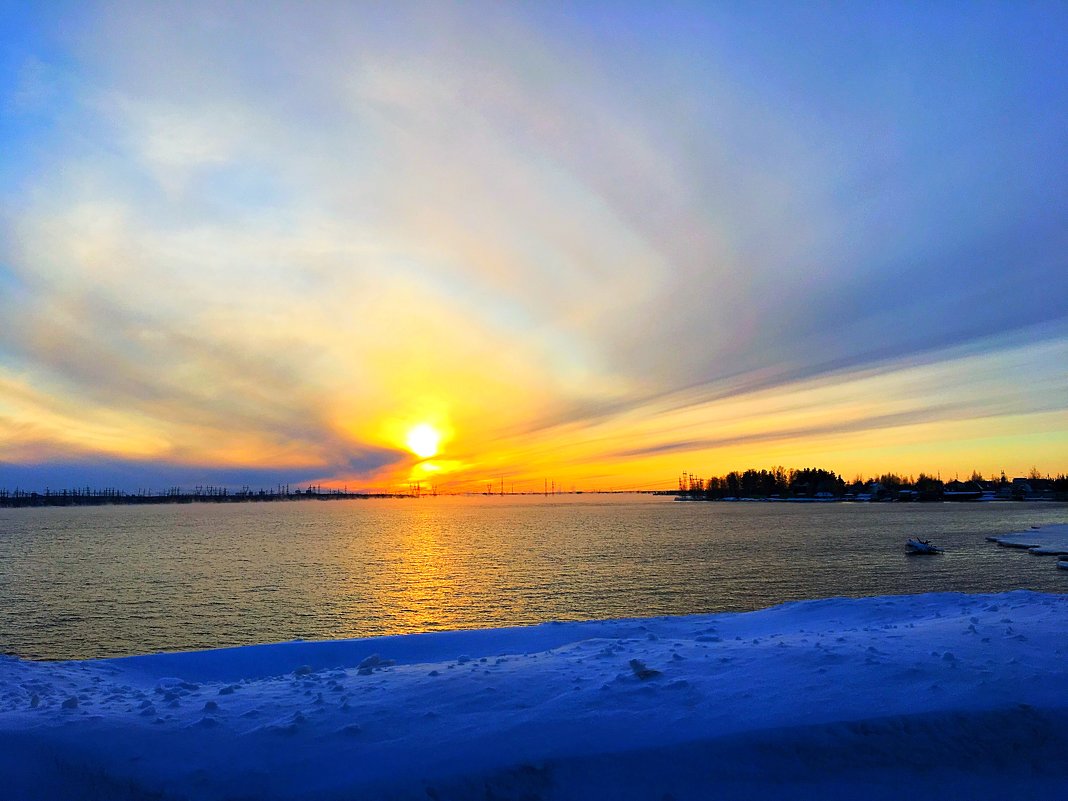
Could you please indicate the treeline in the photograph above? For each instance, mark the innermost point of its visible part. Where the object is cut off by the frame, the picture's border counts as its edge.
(814, 483)
(86, 496)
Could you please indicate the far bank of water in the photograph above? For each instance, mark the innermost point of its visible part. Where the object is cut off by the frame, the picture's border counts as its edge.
(108, 581)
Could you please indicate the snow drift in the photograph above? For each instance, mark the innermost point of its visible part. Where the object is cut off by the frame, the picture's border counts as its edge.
(932, 696)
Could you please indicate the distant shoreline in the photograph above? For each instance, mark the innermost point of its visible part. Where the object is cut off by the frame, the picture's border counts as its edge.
(23, 500)
(38, 500)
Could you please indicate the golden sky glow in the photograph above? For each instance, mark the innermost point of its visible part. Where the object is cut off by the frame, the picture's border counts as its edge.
(369, 245)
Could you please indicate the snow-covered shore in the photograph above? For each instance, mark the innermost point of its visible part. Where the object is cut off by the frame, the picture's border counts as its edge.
(931, 696)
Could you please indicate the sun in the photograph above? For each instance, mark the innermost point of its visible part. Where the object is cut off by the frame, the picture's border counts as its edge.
(423, 440)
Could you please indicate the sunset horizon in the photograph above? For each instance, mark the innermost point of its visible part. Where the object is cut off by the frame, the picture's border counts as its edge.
(533, 400)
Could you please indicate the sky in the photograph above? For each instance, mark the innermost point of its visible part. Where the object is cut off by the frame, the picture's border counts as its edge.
(597, 244)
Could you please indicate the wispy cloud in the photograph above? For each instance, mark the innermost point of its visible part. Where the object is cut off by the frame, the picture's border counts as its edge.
(274, 235)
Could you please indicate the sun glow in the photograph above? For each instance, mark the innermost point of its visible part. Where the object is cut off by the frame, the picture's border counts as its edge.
(424, 440)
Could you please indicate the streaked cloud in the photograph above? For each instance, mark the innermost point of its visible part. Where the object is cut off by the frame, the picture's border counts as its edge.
(591, 242)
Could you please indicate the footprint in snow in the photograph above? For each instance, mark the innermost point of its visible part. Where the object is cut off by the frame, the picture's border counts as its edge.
(641, 671)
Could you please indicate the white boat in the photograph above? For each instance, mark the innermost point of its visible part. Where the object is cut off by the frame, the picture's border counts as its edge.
(921, 546)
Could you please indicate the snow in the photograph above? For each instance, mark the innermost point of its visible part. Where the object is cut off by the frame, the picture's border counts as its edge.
(1040, 540)
(950, 695)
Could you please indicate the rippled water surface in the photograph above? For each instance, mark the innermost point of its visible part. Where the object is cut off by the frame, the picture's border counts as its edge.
(120, 580)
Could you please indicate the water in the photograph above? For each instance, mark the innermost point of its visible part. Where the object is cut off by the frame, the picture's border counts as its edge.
(110, 581)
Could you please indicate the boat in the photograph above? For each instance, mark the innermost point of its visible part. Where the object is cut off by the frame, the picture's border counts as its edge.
(921, 546)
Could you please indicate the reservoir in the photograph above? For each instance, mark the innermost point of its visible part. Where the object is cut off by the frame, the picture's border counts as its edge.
(112, 581)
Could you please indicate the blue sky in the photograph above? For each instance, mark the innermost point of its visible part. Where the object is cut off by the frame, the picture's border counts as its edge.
(606, 242)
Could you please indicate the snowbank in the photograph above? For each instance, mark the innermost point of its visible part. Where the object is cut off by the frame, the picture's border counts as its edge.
(953, 695)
